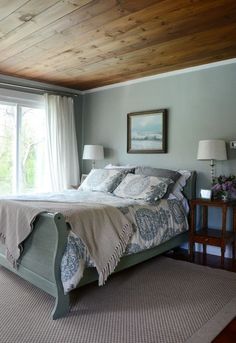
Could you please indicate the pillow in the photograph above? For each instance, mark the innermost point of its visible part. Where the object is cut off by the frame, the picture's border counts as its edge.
(102, 180)
(159, 172)
(170, 174)
(143, 187)
(127, 168)
(181, 182)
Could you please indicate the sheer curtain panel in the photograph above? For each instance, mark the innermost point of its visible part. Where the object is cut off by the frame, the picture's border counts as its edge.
(61, 142)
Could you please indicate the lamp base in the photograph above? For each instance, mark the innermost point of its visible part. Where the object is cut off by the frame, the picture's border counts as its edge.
(212, 164)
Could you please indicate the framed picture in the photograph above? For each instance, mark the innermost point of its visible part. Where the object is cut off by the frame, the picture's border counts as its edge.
(147, 132)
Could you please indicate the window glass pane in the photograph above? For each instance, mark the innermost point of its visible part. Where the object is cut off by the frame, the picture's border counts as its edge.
(32, 168)
(7, 147)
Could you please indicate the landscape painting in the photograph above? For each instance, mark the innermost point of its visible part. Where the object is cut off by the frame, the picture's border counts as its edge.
(147, 131)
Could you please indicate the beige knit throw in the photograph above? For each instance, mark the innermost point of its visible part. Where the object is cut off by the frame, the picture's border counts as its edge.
(104, 230)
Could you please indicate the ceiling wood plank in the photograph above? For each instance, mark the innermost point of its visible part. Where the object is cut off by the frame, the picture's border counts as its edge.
(24, 13)
(7, 7)
(51, 14)
(180, 49)
(91, 43)
(129, 25)
(56, 34)
(148, 34)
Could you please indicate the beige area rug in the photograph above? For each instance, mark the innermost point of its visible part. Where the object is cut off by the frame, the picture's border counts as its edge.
(161, 300)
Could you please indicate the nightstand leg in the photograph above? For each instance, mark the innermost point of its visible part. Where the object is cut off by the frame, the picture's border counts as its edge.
(192, 230)
(204, 253)
(191, 251)
(233, 252)
(222, 257)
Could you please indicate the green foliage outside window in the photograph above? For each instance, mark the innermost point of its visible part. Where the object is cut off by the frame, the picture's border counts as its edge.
(30, 144)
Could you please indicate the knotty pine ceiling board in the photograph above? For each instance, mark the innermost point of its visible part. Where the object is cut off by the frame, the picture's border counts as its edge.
(90, 43)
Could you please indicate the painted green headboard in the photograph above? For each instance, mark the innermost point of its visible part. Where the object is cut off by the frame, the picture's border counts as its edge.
(190, 187)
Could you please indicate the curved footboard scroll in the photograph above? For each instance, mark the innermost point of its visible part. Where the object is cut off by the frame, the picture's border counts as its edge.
(41, 259)
(61, 307)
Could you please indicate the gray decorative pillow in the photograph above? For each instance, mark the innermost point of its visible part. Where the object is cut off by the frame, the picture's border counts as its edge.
(159, 172)
(102, 180)
(127, 168)
(142, 187)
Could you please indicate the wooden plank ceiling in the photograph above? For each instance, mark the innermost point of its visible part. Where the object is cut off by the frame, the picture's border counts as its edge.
(90, 43)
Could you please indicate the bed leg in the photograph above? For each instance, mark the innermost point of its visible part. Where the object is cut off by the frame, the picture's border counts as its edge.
(61, 307)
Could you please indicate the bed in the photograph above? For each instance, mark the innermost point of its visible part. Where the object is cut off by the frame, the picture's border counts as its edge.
(44, 249)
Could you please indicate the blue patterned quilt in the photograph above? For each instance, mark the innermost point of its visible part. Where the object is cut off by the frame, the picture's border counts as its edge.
(152, 224)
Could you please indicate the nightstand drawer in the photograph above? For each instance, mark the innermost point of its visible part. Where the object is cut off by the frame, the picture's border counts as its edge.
(208, 240)
(213, 237)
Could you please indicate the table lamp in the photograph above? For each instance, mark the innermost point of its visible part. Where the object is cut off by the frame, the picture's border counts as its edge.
(94, 153)
(212, 150)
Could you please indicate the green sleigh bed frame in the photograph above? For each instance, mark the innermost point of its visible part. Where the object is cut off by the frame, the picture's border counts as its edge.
(44, 248)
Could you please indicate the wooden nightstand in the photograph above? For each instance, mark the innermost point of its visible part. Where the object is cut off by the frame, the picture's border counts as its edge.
(207, 236)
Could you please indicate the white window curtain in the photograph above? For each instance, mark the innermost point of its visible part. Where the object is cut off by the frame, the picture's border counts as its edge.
(62, 142)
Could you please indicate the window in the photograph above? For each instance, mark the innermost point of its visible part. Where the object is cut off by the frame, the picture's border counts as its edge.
(23, 166)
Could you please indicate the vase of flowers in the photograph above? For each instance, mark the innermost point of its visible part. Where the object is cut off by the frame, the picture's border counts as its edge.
(224, 187)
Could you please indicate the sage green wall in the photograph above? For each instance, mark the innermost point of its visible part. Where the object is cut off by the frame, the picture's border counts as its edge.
(201, 105)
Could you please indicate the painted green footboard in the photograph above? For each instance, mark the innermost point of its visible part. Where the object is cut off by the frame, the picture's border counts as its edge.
(41, 258)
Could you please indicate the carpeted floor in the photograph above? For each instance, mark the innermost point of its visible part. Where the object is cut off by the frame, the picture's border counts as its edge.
(161, 300)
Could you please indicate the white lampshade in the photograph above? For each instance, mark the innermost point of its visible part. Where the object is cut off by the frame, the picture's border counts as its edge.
(93, 152)
(214, 149)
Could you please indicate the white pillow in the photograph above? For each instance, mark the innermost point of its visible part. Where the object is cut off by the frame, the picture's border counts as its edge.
(179, 185)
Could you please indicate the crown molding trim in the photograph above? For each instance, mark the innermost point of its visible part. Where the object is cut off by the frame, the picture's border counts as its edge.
(160, 76)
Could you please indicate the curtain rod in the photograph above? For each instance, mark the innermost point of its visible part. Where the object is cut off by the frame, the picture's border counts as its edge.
(37, 90)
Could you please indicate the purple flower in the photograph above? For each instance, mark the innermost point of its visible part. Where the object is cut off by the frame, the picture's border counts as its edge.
(216, 187)
(224, 187)
(224, 184)
(223, 179)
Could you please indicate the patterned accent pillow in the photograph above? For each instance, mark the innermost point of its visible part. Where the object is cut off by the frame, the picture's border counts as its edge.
(160, 172)
(102, 180)
(143, 187)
